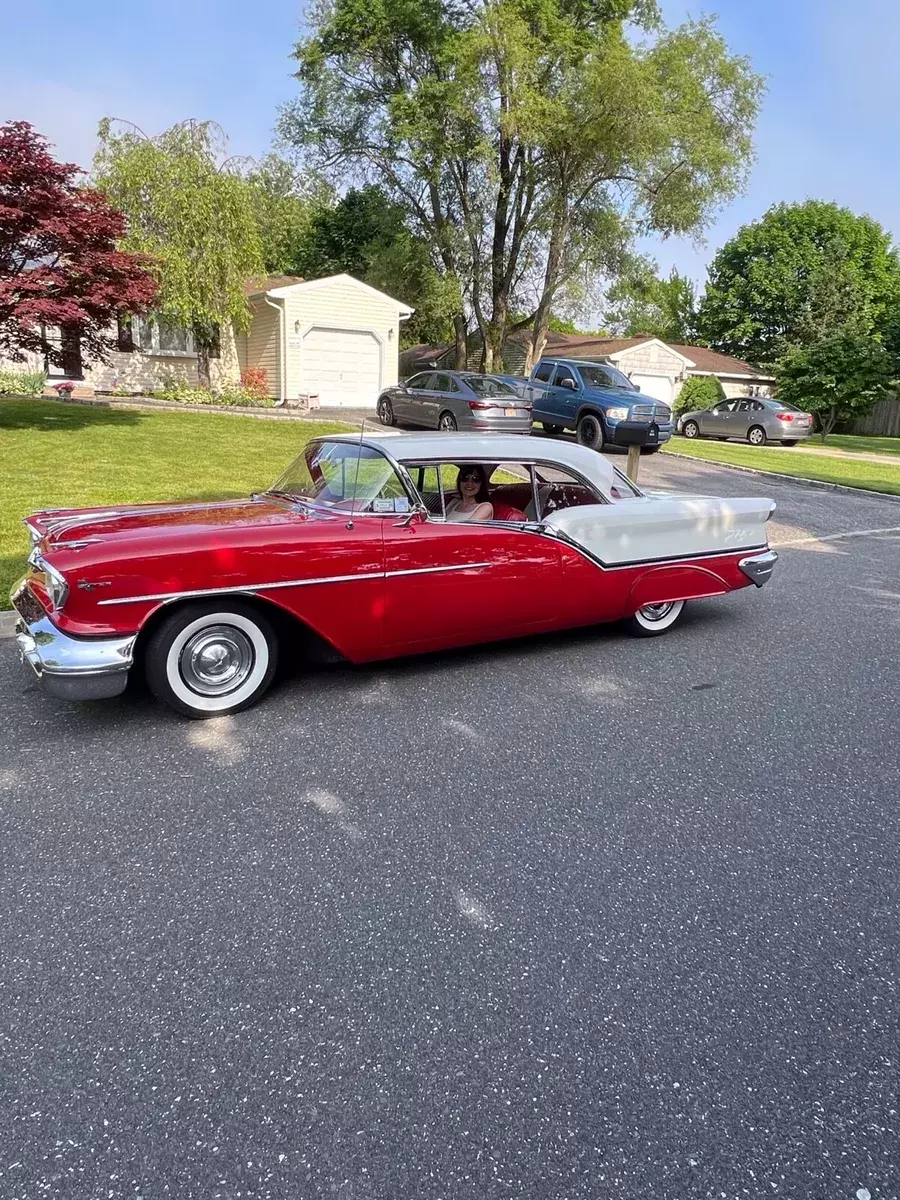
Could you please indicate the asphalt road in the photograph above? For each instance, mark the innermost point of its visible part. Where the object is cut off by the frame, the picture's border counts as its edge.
(582, 917)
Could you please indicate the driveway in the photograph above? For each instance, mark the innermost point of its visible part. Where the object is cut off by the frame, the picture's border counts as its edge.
(578, 917)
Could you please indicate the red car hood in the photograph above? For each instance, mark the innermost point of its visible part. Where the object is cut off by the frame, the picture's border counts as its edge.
(62, 526)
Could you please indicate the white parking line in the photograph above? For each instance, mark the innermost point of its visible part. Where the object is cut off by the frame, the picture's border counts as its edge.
(834, 537)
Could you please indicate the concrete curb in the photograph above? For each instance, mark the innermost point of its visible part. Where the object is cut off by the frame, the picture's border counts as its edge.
(817, 484)
(7, 624)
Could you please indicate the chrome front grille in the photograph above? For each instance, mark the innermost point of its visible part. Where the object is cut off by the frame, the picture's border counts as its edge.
(656, 412)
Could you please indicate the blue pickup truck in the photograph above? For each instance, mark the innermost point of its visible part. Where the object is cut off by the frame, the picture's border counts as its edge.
(590, 397)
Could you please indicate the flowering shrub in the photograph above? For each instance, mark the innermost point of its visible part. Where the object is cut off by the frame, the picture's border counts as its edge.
(234, 394)
(66, 388)
(255, 380)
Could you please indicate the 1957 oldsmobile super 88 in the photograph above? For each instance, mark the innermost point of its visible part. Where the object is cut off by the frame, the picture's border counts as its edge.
(352, 552)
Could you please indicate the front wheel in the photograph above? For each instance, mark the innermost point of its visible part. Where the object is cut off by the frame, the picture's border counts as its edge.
(691, 429)
(757, 436)
(589, 432)
(386, 411)
(206, 660)
(447, 423)
(654, 619)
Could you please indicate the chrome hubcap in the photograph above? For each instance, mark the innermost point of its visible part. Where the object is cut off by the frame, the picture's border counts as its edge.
(216, 660)
(656, 612)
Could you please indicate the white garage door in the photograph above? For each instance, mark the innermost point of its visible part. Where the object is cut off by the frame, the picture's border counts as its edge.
(342, 366)
(660, 387)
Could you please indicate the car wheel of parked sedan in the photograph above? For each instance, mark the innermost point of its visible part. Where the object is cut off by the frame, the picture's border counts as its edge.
(691, 429)
(447, 423)
(553, 430)
(654, 619)
(209, 659)
(589, 432)
(756, 436)
(788, 442)
(386, 411)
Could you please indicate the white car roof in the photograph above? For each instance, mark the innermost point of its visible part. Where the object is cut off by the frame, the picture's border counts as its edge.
(487, 447)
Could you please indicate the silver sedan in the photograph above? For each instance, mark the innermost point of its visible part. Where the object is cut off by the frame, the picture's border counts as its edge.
(756, 420)
(451, 400)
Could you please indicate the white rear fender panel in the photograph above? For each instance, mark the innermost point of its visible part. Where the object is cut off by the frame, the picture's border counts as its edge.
(658, 529)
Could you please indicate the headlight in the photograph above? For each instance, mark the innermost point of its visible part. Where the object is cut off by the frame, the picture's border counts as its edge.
(617, 414)
(57, 588)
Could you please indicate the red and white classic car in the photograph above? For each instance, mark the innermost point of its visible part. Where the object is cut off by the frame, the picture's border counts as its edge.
(356, 552)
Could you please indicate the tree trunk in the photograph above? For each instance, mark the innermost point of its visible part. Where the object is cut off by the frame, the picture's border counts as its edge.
(462, 348)
(541, 325)
(202, 364)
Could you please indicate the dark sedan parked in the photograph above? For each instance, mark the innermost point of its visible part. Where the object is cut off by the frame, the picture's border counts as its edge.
(450, 400)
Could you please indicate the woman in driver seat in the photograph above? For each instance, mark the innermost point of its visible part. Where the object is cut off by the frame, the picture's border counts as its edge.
(473, 500)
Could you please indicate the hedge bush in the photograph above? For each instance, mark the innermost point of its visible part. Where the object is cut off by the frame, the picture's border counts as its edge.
(698, 392)
(22, 383)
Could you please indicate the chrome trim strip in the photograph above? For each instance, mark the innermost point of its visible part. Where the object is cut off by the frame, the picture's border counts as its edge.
(288, 583)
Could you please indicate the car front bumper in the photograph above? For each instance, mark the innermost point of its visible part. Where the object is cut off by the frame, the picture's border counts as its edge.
(759, 567)
(69, 668)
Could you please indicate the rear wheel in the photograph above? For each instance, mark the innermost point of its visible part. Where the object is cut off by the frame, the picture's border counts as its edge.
(654, 619)
(209, 659)
(447, 423)
(589, 431)
(553, 430)
(788, 441)
(386, 411)
(691, 429)
(756, 436)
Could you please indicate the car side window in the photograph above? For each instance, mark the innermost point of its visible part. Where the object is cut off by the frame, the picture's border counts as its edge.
(415, 381)
(727, 407)
(563, 372)
(559, 488)
(544, 372)
(439, 383)
(746, 406)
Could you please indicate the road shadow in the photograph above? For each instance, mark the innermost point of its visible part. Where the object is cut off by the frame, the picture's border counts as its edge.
(50, 416)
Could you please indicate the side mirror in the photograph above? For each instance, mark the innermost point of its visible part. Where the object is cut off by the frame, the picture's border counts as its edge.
(568, 383)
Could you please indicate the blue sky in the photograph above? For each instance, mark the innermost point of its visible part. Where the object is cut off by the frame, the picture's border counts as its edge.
(830, 125)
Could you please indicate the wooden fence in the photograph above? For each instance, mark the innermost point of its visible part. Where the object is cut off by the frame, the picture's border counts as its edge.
(882, 421)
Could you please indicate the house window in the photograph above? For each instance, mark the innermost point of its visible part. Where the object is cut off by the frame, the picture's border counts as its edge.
(159, 337)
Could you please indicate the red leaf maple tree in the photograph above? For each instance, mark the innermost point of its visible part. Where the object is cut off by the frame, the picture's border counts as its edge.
(59, 265)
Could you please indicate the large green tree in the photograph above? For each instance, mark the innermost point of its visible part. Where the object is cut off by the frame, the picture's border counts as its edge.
(285, 206)
(189, 208)
(526, 139)
(839, 376)
(800, 271)
(641, 301)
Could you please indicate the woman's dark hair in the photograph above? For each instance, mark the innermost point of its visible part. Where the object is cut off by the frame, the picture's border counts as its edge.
(483, 496)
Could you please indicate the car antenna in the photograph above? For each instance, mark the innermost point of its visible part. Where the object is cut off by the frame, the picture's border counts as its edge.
(362, 430)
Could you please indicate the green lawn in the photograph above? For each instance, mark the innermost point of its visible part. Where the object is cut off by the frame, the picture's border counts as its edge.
(805, 464)
(55, 454)
(856, 442)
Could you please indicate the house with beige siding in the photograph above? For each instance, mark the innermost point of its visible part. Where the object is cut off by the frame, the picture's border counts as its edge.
(334, 339)
(655, 367)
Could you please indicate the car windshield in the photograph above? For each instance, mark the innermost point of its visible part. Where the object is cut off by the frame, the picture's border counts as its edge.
(605, 376)
(343, 475)
(487, 385)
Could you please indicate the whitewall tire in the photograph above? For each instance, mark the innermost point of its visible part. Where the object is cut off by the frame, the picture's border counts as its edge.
(209, 659)
(654, 619)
